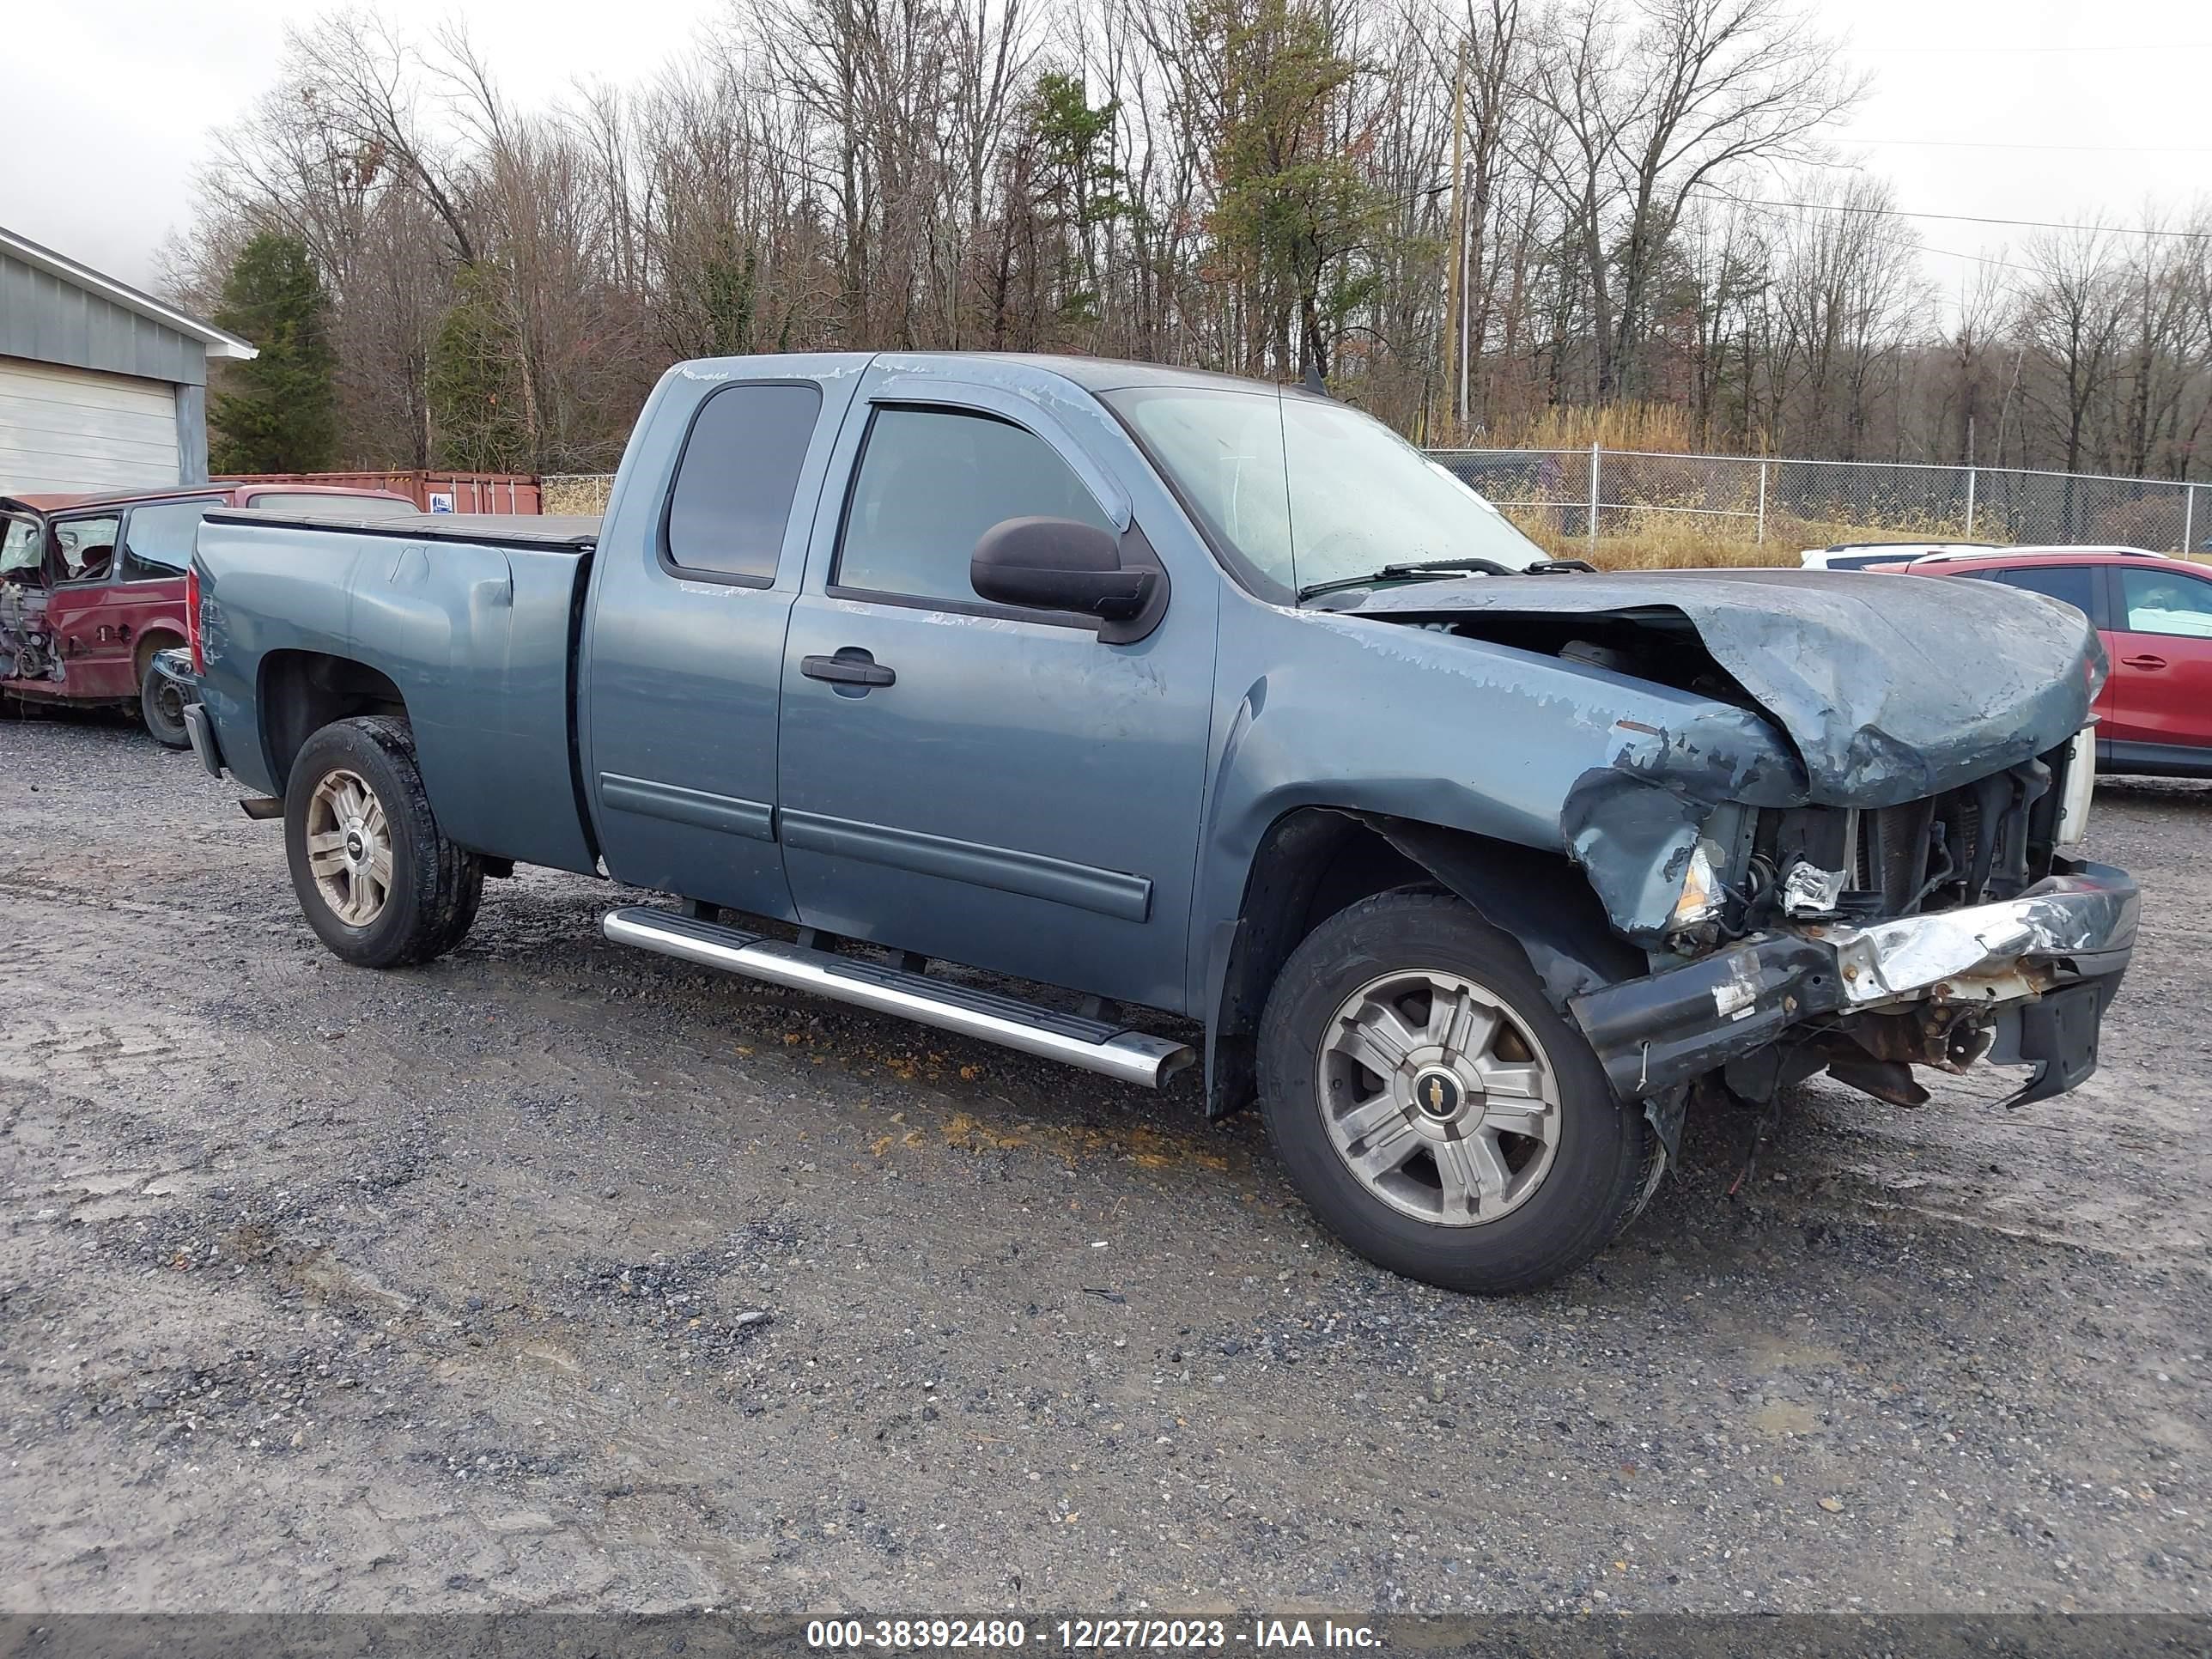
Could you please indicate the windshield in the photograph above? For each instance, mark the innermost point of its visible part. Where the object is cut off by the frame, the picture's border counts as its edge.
(1297, 492)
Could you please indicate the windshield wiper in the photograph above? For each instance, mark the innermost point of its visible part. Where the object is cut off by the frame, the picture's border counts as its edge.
(1430, 569)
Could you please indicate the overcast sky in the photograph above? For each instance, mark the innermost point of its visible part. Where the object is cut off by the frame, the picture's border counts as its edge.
(2020, 109)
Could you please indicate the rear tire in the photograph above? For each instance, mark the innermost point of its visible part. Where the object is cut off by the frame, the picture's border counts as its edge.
(377, 881)
(162, 706)
(1434, 1110)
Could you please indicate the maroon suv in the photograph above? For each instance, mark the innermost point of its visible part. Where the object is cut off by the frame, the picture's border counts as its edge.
(93, 587)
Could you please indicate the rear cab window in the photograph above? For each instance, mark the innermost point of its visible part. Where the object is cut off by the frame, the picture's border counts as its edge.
(931, 482)
(735, 481)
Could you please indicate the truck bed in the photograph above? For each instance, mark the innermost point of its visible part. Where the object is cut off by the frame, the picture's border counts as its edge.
(472, 621)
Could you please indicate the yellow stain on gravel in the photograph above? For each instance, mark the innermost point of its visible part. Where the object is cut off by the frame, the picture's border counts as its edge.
(1147, 1147)
(1780, 1418)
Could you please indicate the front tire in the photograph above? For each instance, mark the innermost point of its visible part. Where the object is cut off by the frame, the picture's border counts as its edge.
(1434, 1110)
(377, 880)
(162, 706)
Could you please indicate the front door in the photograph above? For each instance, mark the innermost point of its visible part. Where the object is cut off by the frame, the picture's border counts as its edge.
(685, 649)
(81, 611)
(2161, 648)
(974, 782)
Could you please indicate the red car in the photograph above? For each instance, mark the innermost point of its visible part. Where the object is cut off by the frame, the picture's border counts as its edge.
(93, 587)
(2154, 616)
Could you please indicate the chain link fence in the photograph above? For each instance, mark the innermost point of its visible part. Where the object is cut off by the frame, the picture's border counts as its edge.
(584, 493)
(1747, 510)
(1634, 508)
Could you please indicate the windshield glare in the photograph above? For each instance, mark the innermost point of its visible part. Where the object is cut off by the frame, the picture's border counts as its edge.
(1298, 491)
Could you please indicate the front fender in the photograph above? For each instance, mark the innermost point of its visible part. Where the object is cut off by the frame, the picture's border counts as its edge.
(1416, 724)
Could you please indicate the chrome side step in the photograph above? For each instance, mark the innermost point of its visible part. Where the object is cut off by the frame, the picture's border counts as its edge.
(1094, 1045)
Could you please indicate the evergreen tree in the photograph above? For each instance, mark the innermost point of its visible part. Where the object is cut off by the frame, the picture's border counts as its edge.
(277, 413)
(477, 402)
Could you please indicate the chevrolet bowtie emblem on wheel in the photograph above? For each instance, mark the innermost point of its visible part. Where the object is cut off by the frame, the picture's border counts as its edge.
(1438, 1094)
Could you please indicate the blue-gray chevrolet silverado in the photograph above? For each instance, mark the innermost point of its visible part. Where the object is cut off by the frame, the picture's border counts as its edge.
(1174, 694)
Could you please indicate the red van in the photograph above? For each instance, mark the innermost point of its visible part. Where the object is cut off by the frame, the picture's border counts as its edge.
(92, 586)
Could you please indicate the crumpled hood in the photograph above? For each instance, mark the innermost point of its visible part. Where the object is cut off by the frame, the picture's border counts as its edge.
(1892, 688)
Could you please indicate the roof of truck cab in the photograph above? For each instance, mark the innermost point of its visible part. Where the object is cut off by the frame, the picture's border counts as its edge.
(1093, 374)
(1117, 374)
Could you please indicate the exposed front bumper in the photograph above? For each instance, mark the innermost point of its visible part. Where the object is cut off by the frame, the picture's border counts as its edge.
(2008, 959)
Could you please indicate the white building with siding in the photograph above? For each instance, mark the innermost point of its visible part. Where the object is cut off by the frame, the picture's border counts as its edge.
(101, 387)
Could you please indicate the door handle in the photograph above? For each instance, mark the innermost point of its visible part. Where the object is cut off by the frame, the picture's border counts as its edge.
(2143, 662)
(850, 666)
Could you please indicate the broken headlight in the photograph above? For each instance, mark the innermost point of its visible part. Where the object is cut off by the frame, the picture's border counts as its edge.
(2080, 784)
(1702, 895)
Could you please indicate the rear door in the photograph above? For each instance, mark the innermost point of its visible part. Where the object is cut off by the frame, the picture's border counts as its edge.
(688, 614)
(146, 602)
(2161, 649)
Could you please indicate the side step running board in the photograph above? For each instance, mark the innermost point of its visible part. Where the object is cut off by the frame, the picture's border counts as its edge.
(1094, 1045)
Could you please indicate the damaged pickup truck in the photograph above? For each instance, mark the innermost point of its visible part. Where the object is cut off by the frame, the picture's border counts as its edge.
(1178, 695)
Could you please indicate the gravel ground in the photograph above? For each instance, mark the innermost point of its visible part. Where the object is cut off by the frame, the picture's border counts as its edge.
(556, 1276)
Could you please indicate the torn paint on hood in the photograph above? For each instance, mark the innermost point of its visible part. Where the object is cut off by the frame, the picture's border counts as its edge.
(1892, 688)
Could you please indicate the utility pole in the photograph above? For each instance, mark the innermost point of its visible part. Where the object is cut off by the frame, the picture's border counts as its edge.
(1454, 370)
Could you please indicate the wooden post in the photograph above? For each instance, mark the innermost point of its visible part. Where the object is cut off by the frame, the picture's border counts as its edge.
(1454, 375)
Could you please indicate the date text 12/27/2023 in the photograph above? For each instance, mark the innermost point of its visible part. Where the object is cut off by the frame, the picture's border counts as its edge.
(1108, 1634)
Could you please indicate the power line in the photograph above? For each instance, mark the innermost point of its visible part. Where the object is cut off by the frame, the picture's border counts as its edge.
(1960, 218)
(1982, 51)
(1988, 143)
(1978, 258)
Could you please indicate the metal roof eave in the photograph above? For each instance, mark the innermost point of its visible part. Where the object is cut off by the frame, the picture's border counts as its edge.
(218, 342)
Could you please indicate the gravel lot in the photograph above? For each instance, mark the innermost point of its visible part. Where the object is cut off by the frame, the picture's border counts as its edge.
(556, 1276)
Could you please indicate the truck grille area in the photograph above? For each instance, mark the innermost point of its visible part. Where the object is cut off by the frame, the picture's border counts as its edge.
(1986, 841)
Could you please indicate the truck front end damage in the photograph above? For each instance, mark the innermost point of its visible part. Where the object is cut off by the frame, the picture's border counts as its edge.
(2023, 981)
(1860, 858)
(1865, 941)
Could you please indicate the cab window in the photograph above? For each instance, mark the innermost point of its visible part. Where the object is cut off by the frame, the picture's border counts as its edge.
(931, 483)
(157, 540)
(84, 549)
(2166, 602)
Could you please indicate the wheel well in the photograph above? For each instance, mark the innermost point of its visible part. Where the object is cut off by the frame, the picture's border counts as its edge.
(158, 638)
(303, 692)
(1316, 861)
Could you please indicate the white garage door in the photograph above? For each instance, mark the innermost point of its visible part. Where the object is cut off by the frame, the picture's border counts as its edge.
(69, 428)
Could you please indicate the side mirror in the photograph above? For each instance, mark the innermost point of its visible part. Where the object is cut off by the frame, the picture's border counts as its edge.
(1059, 564)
